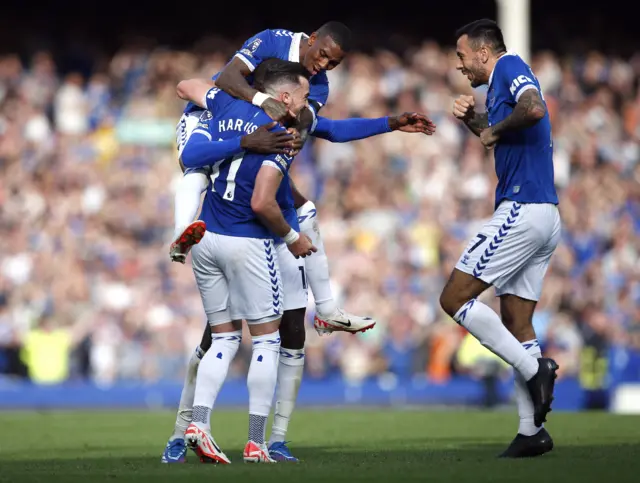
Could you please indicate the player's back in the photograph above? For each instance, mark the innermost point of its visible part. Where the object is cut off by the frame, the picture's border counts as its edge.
(227, 206)
(523, 158)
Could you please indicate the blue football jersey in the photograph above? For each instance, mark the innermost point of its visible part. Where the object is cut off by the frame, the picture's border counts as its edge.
(227, 206)
(523, 158)
(281, 44)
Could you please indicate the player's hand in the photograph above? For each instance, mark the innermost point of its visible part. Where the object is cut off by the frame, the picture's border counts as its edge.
(412, 122)
(302, 247)
(275, 109)
(297, 141)
(488, 138)
(463, 107)
(262, 140)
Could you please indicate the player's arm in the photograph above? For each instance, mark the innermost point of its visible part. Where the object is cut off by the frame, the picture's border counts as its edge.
(516, 77)
(357, 128)
(464, 109)
(233, 78)
(202, 150)
(195, 90)
(267, 209)
(529, 109)
(478, 123)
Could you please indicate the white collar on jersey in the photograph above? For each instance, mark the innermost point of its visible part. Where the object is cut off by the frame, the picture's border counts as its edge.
(294, 49)
(508, 52)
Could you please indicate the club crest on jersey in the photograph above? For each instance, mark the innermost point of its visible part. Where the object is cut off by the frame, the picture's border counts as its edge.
(206, 116)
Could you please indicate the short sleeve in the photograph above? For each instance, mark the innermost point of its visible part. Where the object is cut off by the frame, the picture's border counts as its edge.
(257, 48)
(278, 161)
(516, 76)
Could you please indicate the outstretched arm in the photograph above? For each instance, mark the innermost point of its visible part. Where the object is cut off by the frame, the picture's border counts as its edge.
(346, 130)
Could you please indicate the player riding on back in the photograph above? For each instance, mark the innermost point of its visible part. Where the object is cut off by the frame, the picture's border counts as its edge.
(322, 50)
(237, 266)
(513, 250)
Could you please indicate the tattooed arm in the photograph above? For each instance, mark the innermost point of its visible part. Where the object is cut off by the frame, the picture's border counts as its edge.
(529, 110)
(477, 123)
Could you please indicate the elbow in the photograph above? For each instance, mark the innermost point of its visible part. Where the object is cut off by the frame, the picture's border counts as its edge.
(259, 204)
(222, 82)
(181, 90)
(538, 113)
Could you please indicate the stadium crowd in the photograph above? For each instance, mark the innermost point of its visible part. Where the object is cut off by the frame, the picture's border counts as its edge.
(88, 165)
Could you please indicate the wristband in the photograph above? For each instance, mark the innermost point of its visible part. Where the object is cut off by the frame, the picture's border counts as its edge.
(291, 237)
(259, 98)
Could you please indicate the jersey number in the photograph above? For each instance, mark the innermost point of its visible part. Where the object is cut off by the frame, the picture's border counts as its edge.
(304, 279)
(230, 191)
(481, 240)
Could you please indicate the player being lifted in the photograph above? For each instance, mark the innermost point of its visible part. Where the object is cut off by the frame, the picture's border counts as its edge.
(322, 50)
(240, 272)
(513, 250)
(292, 329)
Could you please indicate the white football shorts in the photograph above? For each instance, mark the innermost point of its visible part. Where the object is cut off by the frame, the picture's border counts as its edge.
(238, 278)
(513, 250)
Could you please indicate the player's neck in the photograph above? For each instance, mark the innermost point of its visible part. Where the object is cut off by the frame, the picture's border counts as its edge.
(492, 63)
(304, 47)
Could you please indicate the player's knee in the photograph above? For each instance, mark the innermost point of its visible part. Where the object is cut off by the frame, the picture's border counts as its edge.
(460, 288)
(449, 302)
(292, 330)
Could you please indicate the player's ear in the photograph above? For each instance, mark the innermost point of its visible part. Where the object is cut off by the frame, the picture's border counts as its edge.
(484, 54)
(312, 39)
(286, 98)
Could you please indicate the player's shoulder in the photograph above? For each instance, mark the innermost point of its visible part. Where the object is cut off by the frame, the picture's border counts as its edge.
(218, 98)
(261, 118)
(282, 33)
(511, 61)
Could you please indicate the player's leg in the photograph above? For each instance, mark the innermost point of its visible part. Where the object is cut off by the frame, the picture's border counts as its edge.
(175, 451)
(518, 298)
(329, 317)
(261, 382)
(255, 287)
(214, 288)
(292, 337)
(531, 440)
(188, 232)
(498, 252)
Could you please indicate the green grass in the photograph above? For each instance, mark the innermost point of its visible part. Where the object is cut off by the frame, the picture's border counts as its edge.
(367, 445)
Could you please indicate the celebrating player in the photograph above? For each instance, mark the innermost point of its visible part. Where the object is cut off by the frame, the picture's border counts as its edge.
(513, 250)
(321, 51)
(292, 347)
(237, 268)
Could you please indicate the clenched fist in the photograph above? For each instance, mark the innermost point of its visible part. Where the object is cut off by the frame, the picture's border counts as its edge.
(463, 107)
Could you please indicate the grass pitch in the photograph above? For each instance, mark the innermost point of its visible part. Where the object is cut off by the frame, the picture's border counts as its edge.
(366, 445)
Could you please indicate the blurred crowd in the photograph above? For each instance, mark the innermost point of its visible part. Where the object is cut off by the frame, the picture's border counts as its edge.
(89, 167)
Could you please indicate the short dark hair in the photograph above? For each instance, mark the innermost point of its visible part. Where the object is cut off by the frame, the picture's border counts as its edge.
(339, 32)
(484, 31)
(274, 70)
